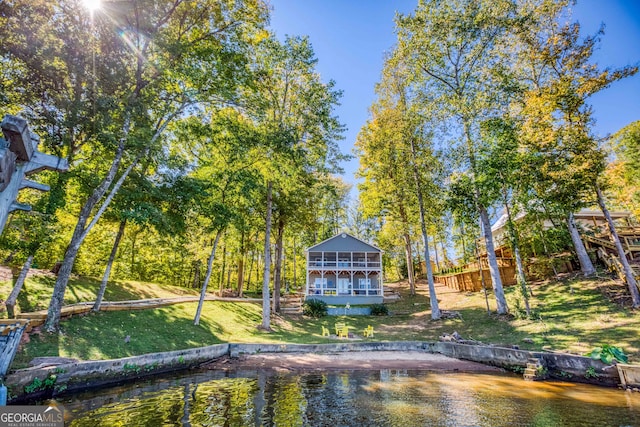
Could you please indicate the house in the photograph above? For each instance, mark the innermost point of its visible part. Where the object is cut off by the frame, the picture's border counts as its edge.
(344, 269)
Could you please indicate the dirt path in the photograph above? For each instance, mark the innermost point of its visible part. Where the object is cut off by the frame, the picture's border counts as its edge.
(361, 360)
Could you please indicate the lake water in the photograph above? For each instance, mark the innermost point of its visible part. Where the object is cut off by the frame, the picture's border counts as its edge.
(353, 398)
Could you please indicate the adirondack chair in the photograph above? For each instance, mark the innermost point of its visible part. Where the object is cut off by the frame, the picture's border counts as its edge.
(343, 332)
(368, 331)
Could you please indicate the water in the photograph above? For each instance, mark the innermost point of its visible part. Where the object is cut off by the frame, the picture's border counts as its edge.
(355, 398)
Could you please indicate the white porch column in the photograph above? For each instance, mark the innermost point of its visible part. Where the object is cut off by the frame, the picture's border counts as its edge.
(351, 274)
(308, 274)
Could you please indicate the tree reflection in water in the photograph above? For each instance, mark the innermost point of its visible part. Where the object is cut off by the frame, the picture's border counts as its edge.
(355, 398)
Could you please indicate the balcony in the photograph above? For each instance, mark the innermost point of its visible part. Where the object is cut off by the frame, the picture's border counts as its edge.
(333, 265)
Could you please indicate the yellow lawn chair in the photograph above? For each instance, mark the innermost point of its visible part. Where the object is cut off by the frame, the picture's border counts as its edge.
(338, 327)
(368, 331)
(343, 332)
(325, 332)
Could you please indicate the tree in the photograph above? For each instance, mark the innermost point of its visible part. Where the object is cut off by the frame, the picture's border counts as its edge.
(453, 51)
(403, 130)
(501, 164)
(563, 154)
(170, 56)
(294, 111)
(623, 172)
(385, 192)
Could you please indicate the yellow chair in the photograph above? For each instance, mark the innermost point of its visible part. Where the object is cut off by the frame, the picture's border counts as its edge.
(343, 332)
(338, 327)
(325, 332)
(368, 331)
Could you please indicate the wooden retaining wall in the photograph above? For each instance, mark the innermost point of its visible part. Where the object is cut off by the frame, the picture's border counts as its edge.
(470, 281)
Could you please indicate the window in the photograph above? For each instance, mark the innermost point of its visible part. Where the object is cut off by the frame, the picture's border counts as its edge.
(320, 283)
(364, 283)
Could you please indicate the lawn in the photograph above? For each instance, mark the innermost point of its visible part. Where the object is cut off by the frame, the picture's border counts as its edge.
(570, 315)
(36, 292)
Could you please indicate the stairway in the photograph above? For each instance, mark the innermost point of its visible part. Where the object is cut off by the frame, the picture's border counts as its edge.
(534, 371)
(292, 304)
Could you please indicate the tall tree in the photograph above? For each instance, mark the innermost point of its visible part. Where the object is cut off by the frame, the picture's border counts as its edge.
(623, 172)
(153, 60)
(564, 156)
(293, 109)
(404, 129)
(453, 49)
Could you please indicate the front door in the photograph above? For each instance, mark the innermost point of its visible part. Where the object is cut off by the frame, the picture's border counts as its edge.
(344, 287)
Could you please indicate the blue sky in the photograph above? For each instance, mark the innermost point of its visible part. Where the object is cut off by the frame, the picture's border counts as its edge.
(350, 38)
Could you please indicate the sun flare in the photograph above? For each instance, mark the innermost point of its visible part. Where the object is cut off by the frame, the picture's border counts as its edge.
(92, 5)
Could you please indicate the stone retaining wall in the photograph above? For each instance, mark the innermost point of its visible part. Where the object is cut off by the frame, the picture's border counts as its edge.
(78, 376)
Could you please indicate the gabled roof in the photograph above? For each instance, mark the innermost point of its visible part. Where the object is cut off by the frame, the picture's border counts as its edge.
(344, 242)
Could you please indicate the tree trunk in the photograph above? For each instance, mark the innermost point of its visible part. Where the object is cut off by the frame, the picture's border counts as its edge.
(277, 272)
(207, 278)
(433, 298)
(266, 304)
(13, 296)
(240, 281)
(295, 281)
(494, 270)
(515, 243)
(251, 261)
(522, 280)
(482, 281)
(57, 297)
(82, 229)
(583, 257)
(224, 267)
(628, 273)
(409, 257)
(435, 252)
(107, 271)
(196, 275)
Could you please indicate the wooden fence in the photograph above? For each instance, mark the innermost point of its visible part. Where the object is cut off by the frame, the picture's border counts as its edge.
(470, 280)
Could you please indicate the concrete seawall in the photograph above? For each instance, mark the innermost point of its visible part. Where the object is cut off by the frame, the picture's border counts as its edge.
(37, 383)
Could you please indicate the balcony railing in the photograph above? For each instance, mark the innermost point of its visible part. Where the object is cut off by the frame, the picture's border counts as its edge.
(328, 290)
(344, 264)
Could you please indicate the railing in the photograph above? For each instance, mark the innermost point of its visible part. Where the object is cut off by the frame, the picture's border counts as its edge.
(345, 264)
(332, 290)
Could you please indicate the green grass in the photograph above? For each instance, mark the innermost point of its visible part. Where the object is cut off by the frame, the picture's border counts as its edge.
(36, 292)
(572, 316)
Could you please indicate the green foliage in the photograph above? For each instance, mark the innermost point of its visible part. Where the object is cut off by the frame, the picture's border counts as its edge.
(314, 308)
(591, 373)
(542, 371)
(37, 384)
(518, 310)
(565, 374)
(379, 310)
(608, 353)
(517, 369)
(128, 368)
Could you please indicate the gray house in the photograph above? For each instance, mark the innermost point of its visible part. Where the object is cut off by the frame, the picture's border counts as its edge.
(344, 269)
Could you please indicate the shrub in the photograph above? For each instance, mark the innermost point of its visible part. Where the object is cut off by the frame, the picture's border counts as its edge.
(314, 308)
(608, 353)
(379, 310)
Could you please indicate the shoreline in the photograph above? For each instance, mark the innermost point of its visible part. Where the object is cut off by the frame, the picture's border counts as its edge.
(361, 360)
(68, 378)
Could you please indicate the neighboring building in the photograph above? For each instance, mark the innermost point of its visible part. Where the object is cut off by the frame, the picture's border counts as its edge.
(593, 220)
(344, 269)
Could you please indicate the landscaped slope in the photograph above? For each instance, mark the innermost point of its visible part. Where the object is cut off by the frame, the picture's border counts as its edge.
(569, 315)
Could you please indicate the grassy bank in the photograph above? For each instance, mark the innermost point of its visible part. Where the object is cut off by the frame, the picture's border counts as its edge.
(570, 315)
